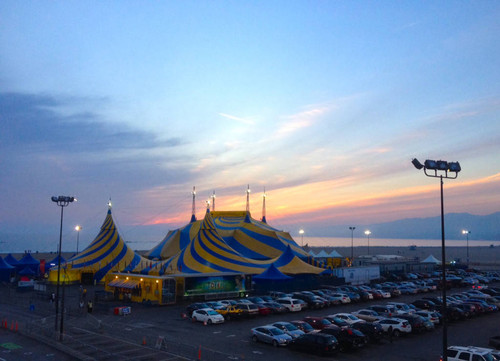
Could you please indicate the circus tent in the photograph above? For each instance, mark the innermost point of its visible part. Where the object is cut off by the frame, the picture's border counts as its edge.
(208, 252)
(248, 237)
(108, 252)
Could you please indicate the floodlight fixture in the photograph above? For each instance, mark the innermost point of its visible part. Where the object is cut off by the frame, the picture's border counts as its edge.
(454, 167)
(442, 165)
(430, 164)
(417, 164)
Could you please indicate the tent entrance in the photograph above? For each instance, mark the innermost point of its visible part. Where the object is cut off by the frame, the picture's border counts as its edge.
(87, 278)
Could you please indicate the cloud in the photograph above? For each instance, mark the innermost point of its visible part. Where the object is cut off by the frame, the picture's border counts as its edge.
(238, 119)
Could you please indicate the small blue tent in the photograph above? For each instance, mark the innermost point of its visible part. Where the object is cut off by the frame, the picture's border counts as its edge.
(6, 271)
(10, 259)
(30, 262)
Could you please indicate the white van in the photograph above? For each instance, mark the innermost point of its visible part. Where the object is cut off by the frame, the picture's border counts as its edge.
(292, 304)
(467, 353)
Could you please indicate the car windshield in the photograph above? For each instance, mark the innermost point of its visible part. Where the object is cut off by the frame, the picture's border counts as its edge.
(325, 322)
(489, 357)
(352, 317)
(276, 331)
(212, 312)
(290, 327)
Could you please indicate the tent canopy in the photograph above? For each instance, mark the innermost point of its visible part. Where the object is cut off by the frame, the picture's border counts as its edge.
(431, 259)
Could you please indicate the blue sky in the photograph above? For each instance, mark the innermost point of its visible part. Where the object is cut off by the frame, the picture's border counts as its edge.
(322, 103)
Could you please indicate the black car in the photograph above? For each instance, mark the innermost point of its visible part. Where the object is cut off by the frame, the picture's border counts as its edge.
(276, 307)
(348, 338)
(195, 306)
(318, 343)
(425, 304)
(416, 322)
(337, 321)
(373, 331)
(310, 300)
(454, 314)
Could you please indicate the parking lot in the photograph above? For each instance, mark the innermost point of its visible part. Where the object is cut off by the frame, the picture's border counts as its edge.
(232, 341)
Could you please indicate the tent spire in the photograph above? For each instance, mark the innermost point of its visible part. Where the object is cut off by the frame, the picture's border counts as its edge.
(248, 198)
(193, 215)
(264, 206)
(213, 201)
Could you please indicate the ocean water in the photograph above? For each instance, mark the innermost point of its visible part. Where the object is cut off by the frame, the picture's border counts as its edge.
(383, 242)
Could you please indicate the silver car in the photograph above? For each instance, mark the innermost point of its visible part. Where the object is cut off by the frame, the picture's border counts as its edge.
(270, 334)
(289, 329)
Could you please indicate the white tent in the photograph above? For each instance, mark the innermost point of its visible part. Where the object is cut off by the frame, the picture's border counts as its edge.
(431, 259)
(311, 253)
(322, 254)
(335, 254)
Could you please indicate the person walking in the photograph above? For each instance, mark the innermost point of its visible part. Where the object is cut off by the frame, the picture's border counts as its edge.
(89, 306)
(390, 332)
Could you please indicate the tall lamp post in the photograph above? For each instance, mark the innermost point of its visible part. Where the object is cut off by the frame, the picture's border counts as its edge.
(61, 201)
(466, 232)
(449, 170)
(301, 232)
(77, 229)
(352, 244)
(367, 232)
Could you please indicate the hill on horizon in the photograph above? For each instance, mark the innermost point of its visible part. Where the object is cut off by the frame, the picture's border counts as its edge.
(485, 228)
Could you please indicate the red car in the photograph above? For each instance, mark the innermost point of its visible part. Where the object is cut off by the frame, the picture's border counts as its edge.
(317, 323)
(264, 310)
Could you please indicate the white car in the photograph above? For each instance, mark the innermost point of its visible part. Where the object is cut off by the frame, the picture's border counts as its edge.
(463, 353)
(207, 315)
(397, 325)
(342, 297)
(292, 304)
(367, 315)
(347, 317)
(402, 307)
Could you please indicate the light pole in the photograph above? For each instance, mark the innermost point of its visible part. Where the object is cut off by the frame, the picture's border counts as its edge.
(352, 244)
(301, 232)
(466, 232)
(449, 170)
(61, 201)
(77, 229)
(367, 232)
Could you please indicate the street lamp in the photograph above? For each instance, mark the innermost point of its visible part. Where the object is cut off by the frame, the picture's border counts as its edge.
(352, 243)
(61, 201)
(301, 232)
(466, 232)
(77, 229)
(449, 170)
(367, 232)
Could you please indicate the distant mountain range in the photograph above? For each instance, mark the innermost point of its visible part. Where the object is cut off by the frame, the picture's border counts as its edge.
(485, 228)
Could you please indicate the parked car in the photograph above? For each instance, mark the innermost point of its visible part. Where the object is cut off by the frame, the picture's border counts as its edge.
(317, 343)
(256, 299)
(248, 309)
(215, 305)
(292, 304)
(289, 328)
(396, 325)
(276, 307)
(432, 316)
(349, 318)
(342, 297)
(229, 312)
(464, 353)
(317, 323)
(367, 315)
(207, 315)
(373, 331)
(418, 323)
(270, 334)
(336, 321)
(263, 309)
(348, 338)
(425, 304)
(384, 310)
(312, 301)
(302, 325)
(195, 306)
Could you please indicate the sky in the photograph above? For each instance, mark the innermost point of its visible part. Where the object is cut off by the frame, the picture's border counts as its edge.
(321, 103)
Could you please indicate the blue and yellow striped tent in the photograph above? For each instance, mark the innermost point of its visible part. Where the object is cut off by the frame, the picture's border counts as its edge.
(208, 252)
(249, 237)
(107, 253)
